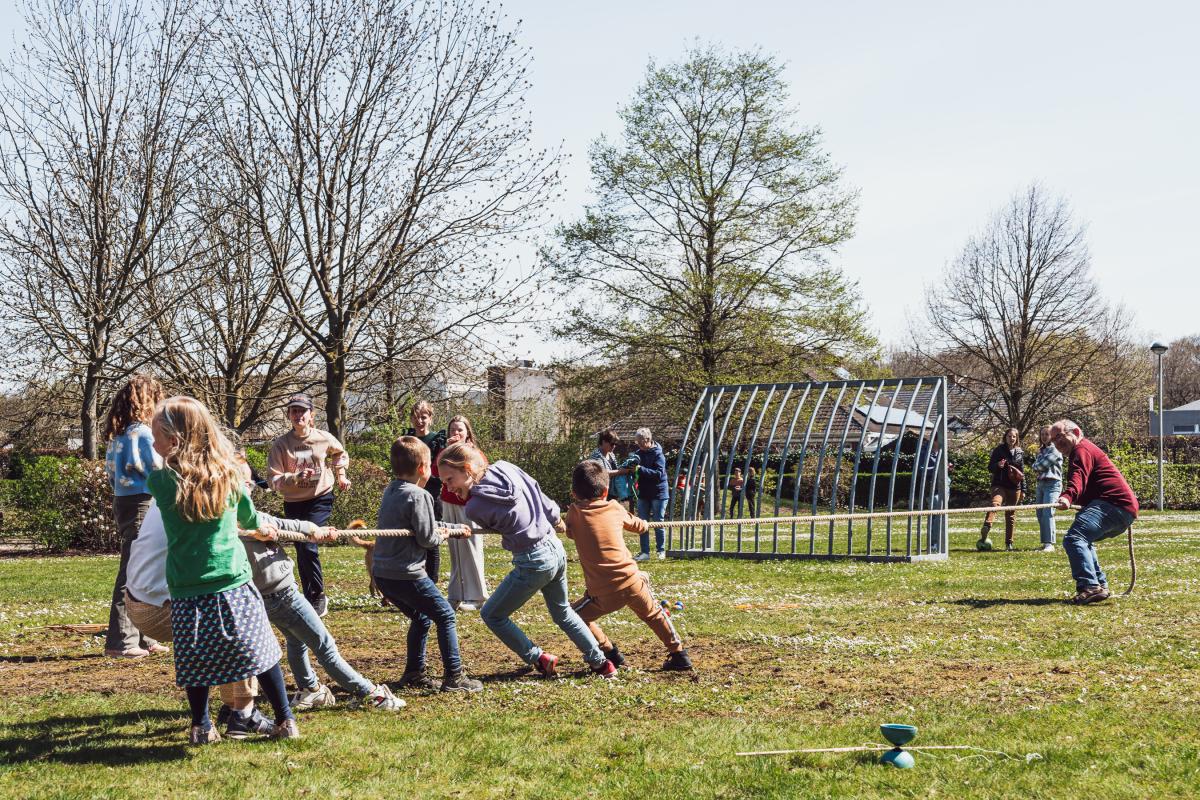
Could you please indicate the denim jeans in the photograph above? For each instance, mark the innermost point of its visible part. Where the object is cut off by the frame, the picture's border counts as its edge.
(1047, 492)
(293, 614)
(308, 557)
(424, 605)
(543, 568)
(653, 511)
(1099, 520)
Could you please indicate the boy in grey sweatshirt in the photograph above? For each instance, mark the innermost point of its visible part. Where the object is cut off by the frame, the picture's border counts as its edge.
(293, 614)
(399, 568)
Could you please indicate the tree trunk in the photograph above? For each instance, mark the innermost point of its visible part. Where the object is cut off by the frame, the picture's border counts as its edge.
(87, 417)
(335, 394)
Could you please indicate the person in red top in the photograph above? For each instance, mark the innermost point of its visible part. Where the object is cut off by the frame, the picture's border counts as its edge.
(1109, 508)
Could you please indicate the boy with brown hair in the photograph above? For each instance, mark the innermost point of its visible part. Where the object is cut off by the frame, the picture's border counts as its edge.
(613, 580)
(399, 568)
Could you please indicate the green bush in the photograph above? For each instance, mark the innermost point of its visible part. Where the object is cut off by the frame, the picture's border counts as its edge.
(549, 463)
(1181, 482)
(66, 504)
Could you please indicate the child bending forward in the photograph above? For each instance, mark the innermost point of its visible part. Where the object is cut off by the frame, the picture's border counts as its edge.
(503, 498)
(218, 622)
(399, 568)
(612, 578)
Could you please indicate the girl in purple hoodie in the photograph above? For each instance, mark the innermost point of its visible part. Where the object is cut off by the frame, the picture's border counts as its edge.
(503, 498)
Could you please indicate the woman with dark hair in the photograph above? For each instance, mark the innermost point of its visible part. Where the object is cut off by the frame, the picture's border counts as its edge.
(1007, 465)
(468, 589)
(129, 460)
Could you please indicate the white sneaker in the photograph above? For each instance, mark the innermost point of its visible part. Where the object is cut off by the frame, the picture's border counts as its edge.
(662, 554)
(467, 607)
(381, 698)
(320, 696)
(642, 557)
(1047, 548)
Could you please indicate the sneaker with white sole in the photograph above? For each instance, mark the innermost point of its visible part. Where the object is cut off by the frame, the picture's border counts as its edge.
(321, 606)
(1047, 548)
(662, 554)
(547, 665)
(642, 557)
(381, 699)
(320, 696)
(241, 726)
(199, 735)
(467, 607)
(288, 729)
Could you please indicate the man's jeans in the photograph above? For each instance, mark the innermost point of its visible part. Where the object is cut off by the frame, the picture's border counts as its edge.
(420, 601)
(1047, 492)
(1099, 520)
(653, 511)
(543, 568)
(302, 629)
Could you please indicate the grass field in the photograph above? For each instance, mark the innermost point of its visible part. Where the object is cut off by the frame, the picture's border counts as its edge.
(1098, 701)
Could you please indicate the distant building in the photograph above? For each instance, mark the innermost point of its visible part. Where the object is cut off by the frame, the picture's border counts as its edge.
(1182, 421)
(527, 401)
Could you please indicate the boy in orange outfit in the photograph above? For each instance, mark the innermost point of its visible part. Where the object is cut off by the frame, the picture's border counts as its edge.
(613, 580)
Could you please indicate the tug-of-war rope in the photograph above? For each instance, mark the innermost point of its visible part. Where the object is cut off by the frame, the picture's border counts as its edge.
(371, 533)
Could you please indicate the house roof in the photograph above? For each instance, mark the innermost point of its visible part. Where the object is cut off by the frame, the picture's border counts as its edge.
(1192, 406)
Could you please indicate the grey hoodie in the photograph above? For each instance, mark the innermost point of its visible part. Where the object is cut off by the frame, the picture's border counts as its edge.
(510, 502)
(402, 558)
(271, 566)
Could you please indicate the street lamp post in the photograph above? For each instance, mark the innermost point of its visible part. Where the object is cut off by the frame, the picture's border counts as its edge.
(1158, 348)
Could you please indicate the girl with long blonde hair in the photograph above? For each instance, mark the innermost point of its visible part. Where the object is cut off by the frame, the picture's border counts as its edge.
(218, 623)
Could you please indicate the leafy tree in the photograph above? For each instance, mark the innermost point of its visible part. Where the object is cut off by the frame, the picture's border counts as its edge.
(702, 260)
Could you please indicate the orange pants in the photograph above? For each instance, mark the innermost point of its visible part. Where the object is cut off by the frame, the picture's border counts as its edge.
(1004, 497)
(637, 598)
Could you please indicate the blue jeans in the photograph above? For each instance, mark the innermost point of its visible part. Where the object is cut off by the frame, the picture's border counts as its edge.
(1098, 521)
(543, 568)
(1047, 492)
(308, 557)
(653, 511)
(425, 606)
(303, 630)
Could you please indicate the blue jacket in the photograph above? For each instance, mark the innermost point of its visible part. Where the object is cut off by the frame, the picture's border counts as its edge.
(652, 477)
(130, 459)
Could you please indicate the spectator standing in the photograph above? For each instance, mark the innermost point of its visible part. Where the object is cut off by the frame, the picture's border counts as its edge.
(304, 465)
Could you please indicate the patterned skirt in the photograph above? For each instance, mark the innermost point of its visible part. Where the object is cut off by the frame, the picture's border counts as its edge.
(222, 637)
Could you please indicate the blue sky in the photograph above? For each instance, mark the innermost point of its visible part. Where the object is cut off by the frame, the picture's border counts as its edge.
(939, 112)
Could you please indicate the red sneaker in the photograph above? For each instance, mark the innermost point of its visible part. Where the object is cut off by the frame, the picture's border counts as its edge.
(547, 664)
(607, 670)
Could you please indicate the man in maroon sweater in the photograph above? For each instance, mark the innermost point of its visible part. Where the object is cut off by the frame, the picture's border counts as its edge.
(1109, 508)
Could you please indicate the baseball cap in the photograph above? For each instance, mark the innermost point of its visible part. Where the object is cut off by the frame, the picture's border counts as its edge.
(301, 401)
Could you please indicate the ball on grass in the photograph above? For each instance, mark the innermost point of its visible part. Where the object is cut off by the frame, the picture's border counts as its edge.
(983, 544)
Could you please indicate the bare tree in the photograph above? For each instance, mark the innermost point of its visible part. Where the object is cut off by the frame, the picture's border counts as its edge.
(1181, 372)
(219, 330)
(97, 114)
(1020, 318)
(385, 144)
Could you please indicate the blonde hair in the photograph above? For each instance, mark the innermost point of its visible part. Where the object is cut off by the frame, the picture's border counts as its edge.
(466, 457)
(209, 476)
(420, 405)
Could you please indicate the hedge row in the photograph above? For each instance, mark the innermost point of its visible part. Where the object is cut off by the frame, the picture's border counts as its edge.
(65, 503)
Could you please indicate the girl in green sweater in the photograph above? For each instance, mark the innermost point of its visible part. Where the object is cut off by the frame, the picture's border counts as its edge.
(218, 622)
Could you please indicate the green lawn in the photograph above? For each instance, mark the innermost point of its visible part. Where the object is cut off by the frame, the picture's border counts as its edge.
(1100, 701)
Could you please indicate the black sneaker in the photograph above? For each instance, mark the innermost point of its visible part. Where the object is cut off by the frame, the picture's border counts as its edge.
(417, 680)
(615, 656)
(223, 715)
(459, 682)
(253, 724)
(678, 662)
